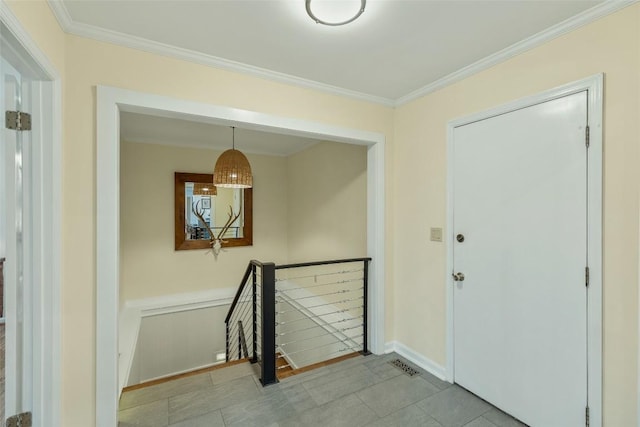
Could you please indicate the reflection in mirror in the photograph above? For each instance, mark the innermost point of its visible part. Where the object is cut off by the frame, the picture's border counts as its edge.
(214, 205)
(202, 209)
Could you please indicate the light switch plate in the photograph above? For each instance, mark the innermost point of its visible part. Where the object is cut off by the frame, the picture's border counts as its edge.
(436, 234)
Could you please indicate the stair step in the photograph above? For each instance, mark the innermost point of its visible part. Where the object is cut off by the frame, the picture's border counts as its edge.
(283, 369)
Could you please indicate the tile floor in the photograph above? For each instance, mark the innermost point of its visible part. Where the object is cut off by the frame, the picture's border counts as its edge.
(363, 391)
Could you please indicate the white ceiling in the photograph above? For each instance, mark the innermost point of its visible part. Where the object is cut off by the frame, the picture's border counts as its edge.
(393, 50)
(396, 49)
(135, 127)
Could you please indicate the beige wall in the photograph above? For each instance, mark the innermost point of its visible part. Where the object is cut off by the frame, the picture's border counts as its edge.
(149, 265)
(610, 45)
(415, 178)
(327, 202)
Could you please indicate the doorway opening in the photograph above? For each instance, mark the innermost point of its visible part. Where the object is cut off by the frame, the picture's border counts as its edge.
(110, 103)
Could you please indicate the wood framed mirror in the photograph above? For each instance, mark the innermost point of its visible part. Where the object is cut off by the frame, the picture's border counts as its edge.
(190, 233)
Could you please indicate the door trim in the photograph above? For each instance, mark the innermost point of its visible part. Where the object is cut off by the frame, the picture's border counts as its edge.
(594, 87)
(46, 220)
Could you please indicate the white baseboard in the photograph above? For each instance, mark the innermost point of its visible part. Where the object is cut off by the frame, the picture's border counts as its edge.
(389, 347)
(413, 356)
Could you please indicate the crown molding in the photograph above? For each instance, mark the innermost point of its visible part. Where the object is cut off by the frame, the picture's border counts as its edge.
(114, 37)
(566, 26)
(61, 13)
(89, 31)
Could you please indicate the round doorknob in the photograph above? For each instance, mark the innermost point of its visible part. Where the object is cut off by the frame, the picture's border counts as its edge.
(460, 238)
(458, 277)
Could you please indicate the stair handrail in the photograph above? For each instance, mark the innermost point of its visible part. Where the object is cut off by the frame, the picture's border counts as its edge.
(243, 283)
(314, 263)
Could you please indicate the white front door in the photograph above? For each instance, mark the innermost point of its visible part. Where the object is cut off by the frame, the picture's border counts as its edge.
(14, 246)
(520, 210)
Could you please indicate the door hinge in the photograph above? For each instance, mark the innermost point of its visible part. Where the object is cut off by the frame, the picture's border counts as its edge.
(587, 137)
(20, 420)
(586, 276)
(586, 417)
(17, 120)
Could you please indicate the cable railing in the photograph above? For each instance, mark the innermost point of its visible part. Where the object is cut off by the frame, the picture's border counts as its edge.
(321, 311)
(297, 315)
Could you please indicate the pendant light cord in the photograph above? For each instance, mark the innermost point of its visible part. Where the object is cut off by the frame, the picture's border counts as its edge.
(233, 137)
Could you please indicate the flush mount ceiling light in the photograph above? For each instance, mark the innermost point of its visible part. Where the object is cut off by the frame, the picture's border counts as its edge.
(232, 169)
(335, 12)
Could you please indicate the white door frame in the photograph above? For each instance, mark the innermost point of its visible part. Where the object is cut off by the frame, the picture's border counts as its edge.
(45, 221)
(594, 86)
(110, 102)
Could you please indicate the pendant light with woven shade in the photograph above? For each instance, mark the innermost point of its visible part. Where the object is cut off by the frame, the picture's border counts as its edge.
(232, 169)
(204, 189)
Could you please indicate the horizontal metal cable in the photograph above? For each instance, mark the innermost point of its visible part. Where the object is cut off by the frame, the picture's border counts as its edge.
(321, 335)
(238, 309)
(319, 316)
(334, 303)
(320, 274)
(247, 308)
(247, 305)
(234, 329)
(232, 337)
(323, 314)
(339, 282)
(324, 345)
(240, 315)
(344, 291)
(234, 333)
(316, 326)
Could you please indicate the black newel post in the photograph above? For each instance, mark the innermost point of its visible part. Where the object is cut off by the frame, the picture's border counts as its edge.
(365, 312)
(268, 367)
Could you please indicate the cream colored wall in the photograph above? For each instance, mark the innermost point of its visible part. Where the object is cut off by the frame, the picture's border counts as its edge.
(149, 265)
(610, 45)
(327, 202)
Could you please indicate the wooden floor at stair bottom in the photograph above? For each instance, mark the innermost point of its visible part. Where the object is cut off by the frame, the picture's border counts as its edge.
(289, 371)
(183, 375)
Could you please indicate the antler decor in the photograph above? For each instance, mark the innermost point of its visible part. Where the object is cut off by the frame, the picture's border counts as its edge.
(215, 241)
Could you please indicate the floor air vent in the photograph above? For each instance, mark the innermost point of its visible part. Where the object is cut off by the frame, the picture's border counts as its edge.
(404, 367)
